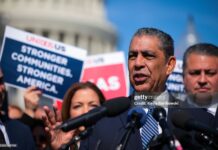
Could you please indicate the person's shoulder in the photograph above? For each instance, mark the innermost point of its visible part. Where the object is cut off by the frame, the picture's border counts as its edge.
(15, 127)
(113, 119)
(19, 134)
(14, 122)
(119, 113)
(110, 125)
(176, 102)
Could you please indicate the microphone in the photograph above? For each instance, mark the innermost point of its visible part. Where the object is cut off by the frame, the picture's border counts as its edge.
(136, 118)
(206, 140)
(159, 115)
(111, 107)
(77, 138)
(185, 121)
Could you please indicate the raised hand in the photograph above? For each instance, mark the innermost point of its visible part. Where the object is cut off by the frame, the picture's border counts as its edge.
(31, 98)
(57, 136)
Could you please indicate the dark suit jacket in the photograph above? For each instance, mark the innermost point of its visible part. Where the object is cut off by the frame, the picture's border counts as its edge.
(191, 140)
(19, 135)
(108, 132)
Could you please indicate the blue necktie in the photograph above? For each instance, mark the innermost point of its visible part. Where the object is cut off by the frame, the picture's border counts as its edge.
(149, 129)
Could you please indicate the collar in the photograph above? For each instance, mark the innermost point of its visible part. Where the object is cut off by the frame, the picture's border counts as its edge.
(164, 96)
(212, 108)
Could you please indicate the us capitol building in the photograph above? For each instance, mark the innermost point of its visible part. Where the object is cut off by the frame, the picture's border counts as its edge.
(81, 23)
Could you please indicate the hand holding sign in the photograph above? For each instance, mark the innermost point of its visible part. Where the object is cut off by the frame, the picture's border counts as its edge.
(31, 98)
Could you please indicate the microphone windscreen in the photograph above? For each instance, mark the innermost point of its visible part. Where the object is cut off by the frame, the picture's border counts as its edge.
(139, 113)
(116, 106)
(180, 119)
(159, 113)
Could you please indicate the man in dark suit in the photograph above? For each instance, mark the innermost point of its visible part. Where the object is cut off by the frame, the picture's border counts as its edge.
(15, 135)
(151, 60)
(200, 76)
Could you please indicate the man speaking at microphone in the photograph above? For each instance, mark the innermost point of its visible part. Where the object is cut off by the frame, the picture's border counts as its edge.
(150, 61)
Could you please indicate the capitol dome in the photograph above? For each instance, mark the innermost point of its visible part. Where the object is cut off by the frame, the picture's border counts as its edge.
(81, 23)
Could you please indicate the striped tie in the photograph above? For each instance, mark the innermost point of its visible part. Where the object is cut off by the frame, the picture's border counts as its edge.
(149, 129)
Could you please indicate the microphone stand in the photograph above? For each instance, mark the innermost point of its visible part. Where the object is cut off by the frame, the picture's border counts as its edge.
(170, 141)
(167, 136)
(130, 127)
(159, 114)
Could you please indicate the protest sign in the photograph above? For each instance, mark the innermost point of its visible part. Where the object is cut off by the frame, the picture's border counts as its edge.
(28, 59)
(175, 80)
(108, 72)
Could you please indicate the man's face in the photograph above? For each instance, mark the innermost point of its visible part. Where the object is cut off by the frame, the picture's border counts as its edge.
(148, 67)
(201, 76)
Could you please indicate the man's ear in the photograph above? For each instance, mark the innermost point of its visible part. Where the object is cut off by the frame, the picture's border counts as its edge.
(171, 63)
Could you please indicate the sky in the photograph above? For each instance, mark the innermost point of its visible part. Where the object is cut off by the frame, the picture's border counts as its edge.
(168, 15)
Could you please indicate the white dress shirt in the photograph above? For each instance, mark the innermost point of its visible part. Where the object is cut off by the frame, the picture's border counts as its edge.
(2, 128)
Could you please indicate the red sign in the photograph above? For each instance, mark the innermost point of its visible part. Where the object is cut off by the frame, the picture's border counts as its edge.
(111, 79)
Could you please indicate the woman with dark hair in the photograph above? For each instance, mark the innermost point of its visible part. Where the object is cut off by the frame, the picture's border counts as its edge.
(80, 98)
